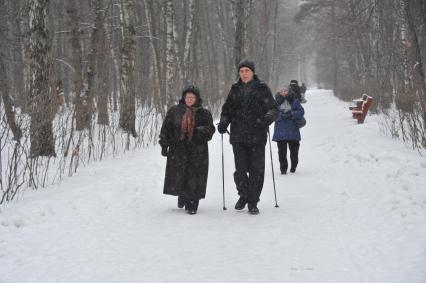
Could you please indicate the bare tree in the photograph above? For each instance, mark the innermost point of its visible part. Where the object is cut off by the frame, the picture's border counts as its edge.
(97, 73)
(188, 39)
(42, 143)
(150, 18)
(127, 90)
(4, 81)
(240, 31)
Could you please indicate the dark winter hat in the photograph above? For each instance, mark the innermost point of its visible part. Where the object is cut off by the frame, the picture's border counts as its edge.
(294, 82)
(190, 87)
(246, 63)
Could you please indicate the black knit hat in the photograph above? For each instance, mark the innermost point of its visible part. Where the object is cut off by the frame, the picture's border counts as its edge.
(246, 63)
(295, 82)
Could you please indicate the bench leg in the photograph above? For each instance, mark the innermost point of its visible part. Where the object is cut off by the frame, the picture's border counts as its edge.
(361, 119)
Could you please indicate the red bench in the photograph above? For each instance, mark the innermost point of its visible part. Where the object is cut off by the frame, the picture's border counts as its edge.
(360, 114)
(358, 103)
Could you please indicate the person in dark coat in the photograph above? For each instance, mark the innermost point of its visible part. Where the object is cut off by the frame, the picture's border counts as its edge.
(303, 91)
(184, 134)
(295, 88)
(303, 88)
(286, 133)
(250, 108)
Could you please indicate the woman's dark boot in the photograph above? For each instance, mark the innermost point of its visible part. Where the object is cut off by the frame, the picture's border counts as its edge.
(241, 203)
(252, 207)
(181, 202)
(192, 206)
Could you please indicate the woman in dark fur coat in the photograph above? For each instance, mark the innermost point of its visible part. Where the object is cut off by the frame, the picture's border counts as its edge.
(184, 134)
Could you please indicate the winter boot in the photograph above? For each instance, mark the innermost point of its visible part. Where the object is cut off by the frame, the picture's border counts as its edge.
(241, 203)
(181, 202)
(293, 169)
(252, 207)
(193, 206)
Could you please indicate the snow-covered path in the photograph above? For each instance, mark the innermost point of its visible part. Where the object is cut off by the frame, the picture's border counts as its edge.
(355, 211)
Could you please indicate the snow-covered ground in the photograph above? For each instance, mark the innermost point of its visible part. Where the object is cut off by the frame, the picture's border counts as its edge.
(355, 211)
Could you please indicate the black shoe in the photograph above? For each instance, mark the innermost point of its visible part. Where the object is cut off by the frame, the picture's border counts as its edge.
(241, 203)
(181, 202)
(283, 172)
(253, 209)
(292, 170)
(192, 206)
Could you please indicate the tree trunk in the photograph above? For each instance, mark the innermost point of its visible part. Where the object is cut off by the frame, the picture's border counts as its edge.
(334, 45)
(97, 74)
(42, 143)
(127, 84)
(4, 82)
(274, 63)
(188, 40)
(170, 54)
(221, 25)
(418, 67)
(156, 58)
(81, 96)
(239, 45)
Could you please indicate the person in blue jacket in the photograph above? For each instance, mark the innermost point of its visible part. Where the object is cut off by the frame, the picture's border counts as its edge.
(286, 132)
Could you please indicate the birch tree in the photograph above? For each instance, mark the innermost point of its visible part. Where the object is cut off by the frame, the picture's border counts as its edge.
(188, 39)
(170, 53)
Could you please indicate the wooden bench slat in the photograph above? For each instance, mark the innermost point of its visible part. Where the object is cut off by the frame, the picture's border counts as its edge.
(360, 114)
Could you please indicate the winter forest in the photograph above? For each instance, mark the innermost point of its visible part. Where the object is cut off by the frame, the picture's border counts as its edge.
(84, 79)
(86, 88)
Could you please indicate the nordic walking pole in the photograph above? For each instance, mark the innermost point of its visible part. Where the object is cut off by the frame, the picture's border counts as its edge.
(272, 165)
(223, 176)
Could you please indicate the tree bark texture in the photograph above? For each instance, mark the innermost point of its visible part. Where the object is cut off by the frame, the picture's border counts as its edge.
(42, 143)
(127, 83)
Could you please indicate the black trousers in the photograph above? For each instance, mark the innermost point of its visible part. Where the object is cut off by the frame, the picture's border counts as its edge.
(249, 170)
(294, 154)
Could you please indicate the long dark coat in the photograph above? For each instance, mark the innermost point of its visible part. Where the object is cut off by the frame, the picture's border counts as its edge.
(187, 160)
(247, 112)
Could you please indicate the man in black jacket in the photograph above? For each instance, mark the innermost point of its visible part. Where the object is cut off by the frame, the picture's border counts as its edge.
(250, 108)
(295, 88)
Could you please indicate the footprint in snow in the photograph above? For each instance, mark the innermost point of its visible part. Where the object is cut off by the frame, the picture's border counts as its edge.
(19, 223)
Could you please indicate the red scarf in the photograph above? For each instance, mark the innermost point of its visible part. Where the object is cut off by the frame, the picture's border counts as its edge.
(188, 123)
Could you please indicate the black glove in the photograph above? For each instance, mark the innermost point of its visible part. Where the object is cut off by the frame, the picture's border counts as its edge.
(286, 115)
(268, 120)
(164, 151)
(221, 127)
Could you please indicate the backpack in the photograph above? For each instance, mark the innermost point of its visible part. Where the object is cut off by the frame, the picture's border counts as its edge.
(300, 123)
